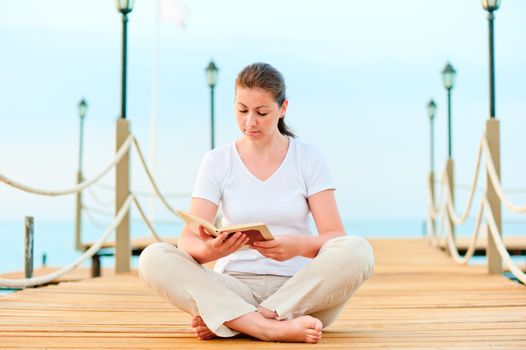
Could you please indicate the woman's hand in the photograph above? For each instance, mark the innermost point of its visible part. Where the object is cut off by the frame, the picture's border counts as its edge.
(281, 248)
(224, 244)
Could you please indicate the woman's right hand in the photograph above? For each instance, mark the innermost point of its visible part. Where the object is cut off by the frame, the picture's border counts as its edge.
(224, 244)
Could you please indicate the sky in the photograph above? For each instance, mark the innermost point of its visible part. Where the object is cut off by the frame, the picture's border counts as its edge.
(359, 75)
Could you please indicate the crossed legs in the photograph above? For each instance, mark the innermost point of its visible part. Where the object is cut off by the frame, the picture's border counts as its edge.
(313, 291)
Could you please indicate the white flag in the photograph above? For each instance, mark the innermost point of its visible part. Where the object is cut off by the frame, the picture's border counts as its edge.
(173, 11)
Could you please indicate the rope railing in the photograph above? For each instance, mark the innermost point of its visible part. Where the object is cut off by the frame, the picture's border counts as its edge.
(460, 219)
(92, 250)
(496, 182)
(473, 241)
(152, 180)
(91, 217)
(444, 210)
(35, 281)
(81, 186)
(501, 247)
(97, 199)
(107, 187)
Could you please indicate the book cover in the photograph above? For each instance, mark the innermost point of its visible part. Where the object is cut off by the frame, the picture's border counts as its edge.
(254, 232)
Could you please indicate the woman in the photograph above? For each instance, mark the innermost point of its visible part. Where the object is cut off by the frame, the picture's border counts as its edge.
(286, 289)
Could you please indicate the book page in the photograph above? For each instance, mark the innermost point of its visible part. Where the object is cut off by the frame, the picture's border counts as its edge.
(196, 221)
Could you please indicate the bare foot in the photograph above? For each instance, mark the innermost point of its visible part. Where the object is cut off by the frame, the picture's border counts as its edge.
(201, 330)
(267, 313)
(304, 329)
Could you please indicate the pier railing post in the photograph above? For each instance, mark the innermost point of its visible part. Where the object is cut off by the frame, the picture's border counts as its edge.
(451, 179)
(493, 137)
(122, 190)
(431, 184)
(28, 246)
(78, 215)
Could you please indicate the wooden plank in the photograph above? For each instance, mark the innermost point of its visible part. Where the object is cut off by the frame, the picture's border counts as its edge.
(417, 298)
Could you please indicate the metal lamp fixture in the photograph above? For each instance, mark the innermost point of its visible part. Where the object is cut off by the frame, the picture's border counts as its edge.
(211, 73)
(490, 5)
(448, 76)
(124, 6)
(431, 109)
(83, 108)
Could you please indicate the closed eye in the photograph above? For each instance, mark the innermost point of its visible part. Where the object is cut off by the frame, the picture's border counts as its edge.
(242, 111)
(262, 114)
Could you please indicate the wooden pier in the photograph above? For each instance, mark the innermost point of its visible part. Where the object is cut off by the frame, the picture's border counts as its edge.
(417, 298)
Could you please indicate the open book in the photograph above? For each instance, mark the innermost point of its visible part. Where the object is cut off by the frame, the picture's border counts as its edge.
(254, 232)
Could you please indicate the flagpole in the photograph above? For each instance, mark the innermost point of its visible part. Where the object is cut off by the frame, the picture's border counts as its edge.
(155, 98)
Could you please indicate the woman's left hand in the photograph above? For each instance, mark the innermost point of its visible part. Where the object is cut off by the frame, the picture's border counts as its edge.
(281, 248)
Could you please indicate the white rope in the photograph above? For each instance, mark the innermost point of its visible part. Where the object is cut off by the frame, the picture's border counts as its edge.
(496, 182)
(472, 244)
(501, 248)
(91, 218)
(35, 281)
(107, 213)
(431, 232)
(438, 240)
(98, 200)
(122, 150)
(168, 195)
(152, 181)
(459, 220)
(146, 221)
(98, 211)
(107, 187)
(435, 210)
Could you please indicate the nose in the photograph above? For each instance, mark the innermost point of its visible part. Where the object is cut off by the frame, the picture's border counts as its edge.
(251, 120)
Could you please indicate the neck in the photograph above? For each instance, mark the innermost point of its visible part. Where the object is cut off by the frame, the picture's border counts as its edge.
(264, 146)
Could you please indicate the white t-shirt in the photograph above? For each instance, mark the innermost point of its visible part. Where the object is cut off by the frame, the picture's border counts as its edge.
(280, 201)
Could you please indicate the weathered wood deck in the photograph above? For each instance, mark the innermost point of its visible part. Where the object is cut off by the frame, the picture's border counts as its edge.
(417, 298)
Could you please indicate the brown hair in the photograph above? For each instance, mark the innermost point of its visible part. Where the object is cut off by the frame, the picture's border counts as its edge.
(268, 78)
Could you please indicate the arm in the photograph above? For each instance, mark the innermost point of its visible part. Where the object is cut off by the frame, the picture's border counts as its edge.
(200, 245)
(328, 222)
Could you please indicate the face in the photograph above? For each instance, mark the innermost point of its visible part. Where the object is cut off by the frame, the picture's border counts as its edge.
(257, 112)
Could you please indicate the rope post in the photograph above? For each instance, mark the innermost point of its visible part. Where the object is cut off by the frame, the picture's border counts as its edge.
(78, 215)
(450, 178)
(431, 184)
(122, 190)
(493, 137)
(28, 246)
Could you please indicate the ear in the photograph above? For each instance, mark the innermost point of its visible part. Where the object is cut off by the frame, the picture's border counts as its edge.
(284, 106)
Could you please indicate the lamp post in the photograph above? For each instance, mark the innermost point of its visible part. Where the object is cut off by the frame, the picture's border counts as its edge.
(122, 169)
(448, 77)
(431, 110)
(490, 6)
(124, 7)
(83, 110)
(211, 73)
(492, 134)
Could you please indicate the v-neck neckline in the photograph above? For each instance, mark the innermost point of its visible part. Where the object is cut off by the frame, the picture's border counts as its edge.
(238, 156)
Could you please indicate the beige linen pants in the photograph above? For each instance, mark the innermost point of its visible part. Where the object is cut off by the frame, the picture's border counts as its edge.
(320, 289)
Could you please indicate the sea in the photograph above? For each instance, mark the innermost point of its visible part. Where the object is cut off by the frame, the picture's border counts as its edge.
(54, 241)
